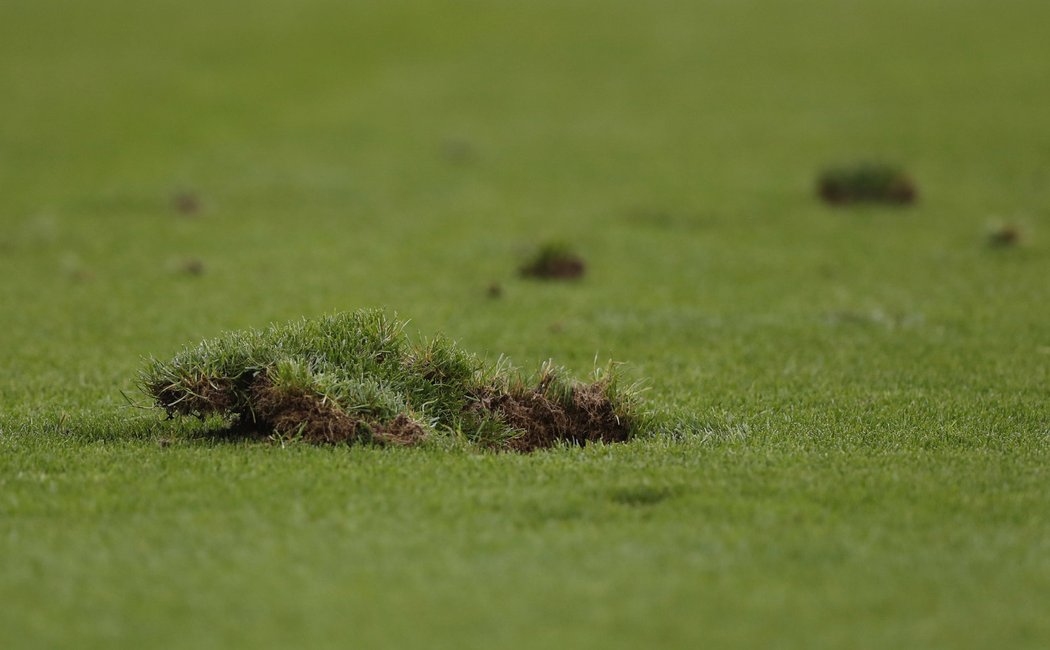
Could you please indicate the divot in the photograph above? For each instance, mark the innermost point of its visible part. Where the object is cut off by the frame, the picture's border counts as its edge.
(554, 261)
(866, 183)
(357, 378)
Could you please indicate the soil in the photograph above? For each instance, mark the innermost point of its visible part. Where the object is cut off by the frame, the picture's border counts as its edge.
(590, 417)
(315, 420)
(199, 397)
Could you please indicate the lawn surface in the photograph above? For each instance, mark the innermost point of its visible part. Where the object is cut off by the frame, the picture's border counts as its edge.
(866, 389)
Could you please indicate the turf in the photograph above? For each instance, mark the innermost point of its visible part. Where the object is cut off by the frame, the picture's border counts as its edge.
(866, 388)
(356, 377)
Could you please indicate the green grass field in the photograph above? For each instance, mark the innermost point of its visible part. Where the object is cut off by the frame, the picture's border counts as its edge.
(864, 390)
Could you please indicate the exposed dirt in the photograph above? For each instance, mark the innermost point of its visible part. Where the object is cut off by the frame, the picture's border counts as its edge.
(590, 417)
(310, 417)
(200, 397)
(262, 409)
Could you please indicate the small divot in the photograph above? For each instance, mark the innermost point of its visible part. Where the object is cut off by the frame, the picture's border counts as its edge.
(866, 183)
(186, 203)
(1005, 235)
(191, 267)
(554, 261)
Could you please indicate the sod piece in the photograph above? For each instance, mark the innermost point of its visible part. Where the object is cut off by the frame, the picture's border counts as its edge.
(186, 203)
(356, 377)
(554, 261)
(866, 182)
(1005, 235)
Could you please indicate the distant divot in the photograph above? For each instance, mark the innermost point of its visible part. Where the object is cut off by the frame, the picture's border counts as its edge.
(186, 203)
(356, 377)
(1005, 235)
(866, 183)
(554, 261)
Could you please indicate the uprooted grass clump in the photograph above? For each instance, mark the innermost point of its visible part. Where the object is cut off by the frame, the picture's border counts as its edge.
(1005, 235)
(866, 183)
(356, 377)
(554, 261)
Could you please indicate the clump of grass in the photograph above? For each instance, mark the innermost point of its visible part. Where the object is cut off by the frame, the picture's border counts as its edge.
(186, 202)
(356, 377)
(866, 182)
(1005, 235)
(554, 261)
(190, 266)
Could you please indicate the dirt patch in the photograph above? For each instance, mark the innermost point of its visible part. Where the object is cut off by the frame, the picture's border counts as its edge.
(588, 417)
(310, 417)
(554, 262)
(198, 396)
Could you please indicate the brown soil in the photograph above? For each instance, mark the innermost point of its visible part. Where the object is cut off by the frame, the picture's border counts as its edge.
(309, 416)
(590, 417)
(201, 397)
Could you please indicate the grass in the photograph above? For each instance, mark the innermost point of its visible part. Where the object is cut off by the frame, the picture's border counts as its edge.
(865, 458)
